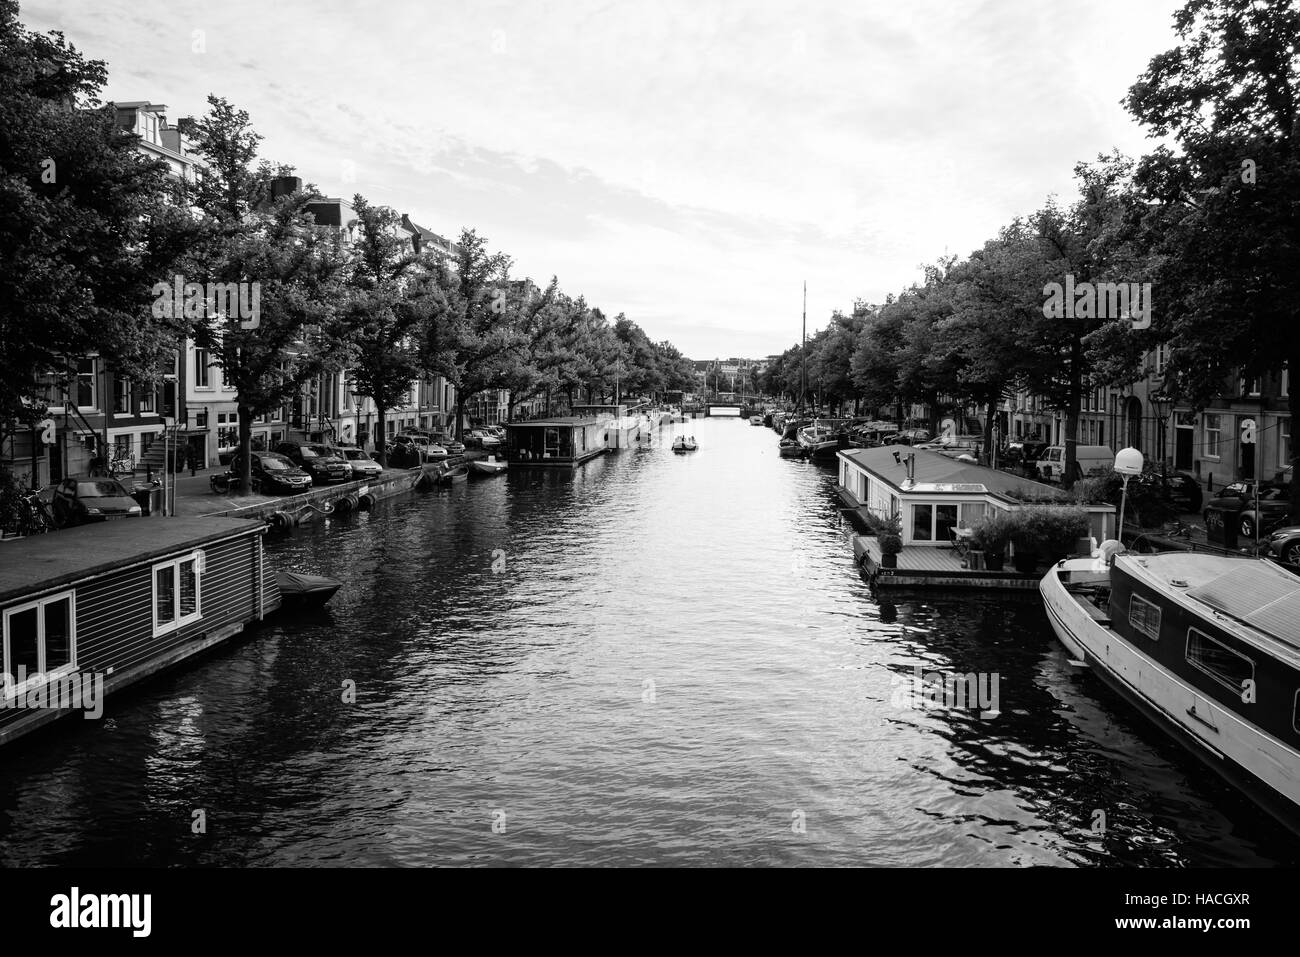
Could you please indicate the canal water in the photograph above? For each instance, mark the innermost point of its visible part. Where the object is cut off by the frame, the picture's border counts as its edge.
(656, 659)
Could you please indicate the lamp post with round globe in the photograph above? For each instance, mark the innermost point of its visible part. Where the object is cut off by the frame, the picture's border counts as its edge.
(1128, 463)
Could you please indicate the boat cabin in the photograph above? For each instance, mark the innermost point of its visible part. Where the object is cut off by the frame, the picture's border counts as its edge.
(102, 606)
(567, 441)
(934, 494)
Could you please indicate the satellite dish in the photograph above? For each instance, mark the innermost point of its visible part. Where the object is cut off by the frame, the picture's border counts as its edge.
(1129, 462)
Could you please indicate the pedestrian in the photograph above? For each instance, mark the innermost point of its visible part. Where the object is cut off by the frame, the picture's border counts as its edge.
(192, 460)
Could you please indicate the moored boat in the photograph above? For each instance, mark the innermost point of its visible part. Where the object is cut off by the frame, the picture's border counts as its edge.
(755, 420)
(449, 476)
(819, 440)
(685, 444)
(488, 466)
(1206, 646)
(303, 591)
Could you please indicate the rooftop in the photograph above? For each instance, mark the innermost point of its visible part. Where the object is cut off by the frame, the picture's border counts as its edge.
(570, 420)
(39, 562)
(936, 473)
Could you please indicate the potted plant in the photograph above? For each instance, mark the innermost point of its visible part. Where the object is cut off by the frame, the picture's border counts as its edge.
(990, 535)
(890, 546)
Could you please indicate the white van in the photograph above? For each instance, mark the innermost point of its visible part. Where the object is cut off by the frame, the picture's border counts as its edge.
(1090, 459)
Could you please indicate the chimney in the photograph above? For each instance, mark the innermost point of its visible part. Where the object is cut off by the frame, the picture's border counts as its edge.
(285, 185)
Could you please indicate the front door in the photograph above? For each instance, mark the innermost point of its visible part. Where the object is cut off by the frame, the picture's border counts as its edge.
(1183, 443)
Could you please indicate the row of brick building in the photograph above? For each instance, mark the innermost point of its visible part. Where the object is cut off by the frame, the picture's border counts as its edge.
(102, 413)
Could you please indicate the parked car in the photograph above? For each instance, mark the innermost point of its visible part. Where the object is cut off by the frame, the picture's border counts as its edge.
(1284, 544)
(1089, 460)
(423, 448)
(359, 461)
(499, 431)
(1239, 497)
(1023, 453)
(316, 461)
(1180, 490)
(452, 446)
(79, 501)
(481, 439)
(273, 472)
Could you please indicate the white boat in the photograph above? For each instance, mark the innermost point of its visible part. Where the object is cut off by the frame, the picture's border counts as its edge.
(1206, 646)
(684, 444)
(488, 466)
(755, 420)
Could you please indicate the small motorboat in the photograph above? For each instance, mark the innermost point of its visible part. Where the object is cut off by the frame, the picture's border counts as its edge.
(755, 420)
(488, 466)
(791, 449)
(305, 591)
(684, 444)
(449, 476)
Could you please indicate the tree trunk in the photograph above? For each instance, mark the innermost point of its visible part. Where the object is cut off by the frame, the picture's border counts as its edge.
(1293, 369)
(245, 450)
(461, 399)
(381, 430)
(990, 411)
(1072, 416)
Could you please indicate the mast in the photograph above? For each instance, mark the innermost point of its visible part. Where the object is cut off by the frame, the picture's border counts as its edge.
(803, 349)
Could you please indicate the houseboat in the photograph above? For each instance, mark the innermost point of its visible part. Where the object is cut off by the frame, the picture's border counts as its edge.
(1206, 646)
(94, 609)
(623, 426)
(937, 499)
(564, 442)
(819, 440)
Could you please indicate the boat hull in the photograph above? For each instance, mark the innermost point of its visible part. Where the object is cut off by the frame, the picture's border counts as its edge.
(1261, 767)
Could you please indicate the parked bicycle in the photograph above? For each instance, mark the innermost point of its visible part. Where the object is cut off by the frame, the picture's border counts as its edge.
(25, 514)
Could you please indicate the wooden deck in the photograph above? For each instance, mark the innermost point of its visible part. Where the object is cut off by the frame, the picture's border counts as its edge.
(921, 566)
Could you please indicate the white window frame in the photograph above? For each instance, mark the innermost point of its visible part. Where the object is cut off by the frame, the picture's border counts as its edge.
(203, 370)
(94, 385)
(1218, 435)
(10, 691)
(1162, 358)
(178, 620)
(1284, 440)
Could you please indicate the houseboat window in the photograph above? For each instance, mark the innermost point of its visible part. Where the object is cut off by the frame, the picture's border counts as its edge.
(922, 518)
(972, 513)
(1230, 668)
(945, 520)
(177, 593)
(1295, 714)
(1144, 616)
(40, 637)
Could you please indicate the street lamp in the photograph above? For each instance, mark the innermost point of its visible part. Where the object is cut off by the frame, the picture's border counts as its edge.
(1163, 405)
(1128, 463)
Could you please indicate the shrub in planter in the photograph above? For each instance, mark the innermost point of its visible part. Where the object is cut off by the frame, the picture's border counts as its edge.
(890, 546)
(1057, 530)
(991, 535)
(893, 525)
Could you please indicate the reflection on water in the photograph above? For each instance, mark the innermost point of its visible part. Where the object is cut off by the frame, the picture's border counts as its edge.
(658, 658)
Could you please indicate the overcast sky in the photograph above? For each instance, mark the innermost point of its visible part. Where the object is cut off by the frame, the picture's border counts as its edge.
(688, 163)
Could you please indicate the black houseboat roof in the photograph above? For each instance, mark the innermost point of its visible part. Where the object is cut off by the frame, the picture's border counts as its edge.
(40, 562)
(1254, 593)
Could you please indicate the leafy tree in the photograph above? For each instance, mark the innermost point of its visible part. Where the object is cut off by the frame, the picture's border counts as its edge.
(297, 267)
(393, 293)
(85, 231)
(1224, 204)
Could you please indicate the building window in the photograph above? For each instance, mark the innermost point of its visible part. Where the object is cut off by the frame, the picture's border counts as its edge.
(1283, 442)
(1229, 668)
(1162, 358)
(40, 638)
(1285, 390)
(121, 396)
(1144, 616)
(146, 399)
(1250, 387)
(202, 379)
(86, 384)
(1212, 431)
(177, 593)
